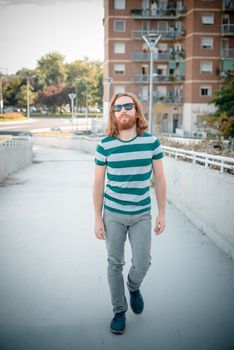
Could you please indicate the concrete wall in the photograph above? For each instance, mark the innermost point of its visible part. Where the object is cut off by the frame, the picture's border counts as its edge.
(84, 143)
(15, 157)
(204, 196)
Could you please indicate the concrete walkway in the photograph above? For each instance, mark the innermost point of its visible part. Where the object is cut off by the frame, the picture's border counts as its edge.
(53, 286)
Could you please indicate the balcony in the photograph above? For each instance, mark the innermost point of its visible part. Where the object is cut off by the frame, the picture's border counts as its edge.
(169, 98)
(228, 5)
(227, 53)
(157, 78)
(159, 13)
(145, 56)
(227, 29)
(165, 56)
(165, 35)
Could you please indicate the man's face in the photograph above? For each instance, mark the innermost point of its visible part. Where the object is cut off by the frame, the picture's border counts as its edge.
(125, 119)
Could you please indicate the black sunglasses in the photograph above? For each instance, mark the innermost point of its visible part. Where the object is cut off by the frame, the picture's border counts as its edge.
(126, 106)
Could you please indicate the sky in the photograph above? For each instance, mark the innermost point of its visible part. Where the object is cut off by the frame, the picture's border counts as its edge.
(29, 29)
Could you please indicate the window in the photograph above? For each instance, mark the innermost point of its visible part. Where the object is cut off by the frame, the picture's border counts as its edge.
(119, 68)
(206, 43)
(119, 4)
(208, 18)
(119, 47)
(144, 93)
(145, 69)
(118, 89)
(162, 27)
(206, 67)
(161, 91)
(162, 47)
(119, 26)
(205, 90)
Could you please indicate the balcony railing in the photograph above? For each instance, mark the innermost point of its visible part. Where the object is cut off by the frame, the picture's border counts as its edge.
(228, 5)
(227, 29)
(227, 53)
(169, 35)
(158, 13)
(145, 78)
(145, 56)
(166, 56)
(168, 99)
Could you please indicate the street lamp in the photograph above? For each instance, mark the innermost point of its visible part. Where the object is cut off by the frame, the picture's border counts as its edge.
(86, 105)
(72, 97)
(151, 40)
(108, 81)
(28, 112)
(1, 96)
(3, 71)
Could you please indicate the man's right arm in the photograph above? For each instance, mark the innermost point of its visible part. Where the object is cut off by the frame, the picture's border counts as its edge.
(98, 192)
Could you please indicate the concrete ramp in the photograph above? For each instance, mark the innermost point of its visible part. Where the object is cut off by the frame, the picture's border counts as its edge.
(53, 284)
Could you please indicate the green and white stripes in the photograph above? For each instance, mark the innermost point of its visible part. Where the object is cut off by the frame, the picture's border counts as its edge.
(129, 167)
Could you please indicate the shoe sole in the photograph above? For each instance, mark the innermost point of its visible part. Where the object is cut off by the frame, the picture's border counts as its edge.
(137, 313)
(117, 332)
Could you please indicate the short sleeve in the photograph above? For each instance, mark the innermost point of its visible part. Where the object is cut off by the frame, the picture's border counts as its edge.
(100, 157)
(157, 150)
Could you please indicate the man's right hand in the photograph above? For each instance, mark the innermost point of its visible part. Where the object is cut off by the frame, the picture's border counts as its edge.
(99, 229)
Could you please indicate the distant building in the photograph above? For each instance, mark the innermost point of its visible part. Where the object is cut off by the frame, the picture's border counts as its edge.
(193, 56)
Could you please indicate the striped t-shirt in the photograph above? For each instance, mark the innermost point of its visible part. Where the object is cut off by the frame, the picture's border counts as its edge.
(129, 168)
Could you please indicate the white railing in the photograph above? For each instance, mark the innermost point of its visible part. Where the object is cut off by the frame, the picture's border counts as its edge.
(217, 162)
(14, 143)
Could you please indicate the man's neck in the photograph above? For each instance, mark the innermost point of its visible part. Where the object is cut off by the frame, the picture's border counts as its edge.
(128, 134)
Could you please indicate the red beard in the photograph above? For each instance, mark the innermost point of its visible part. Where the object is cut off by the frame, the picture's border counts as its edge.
(125, 122)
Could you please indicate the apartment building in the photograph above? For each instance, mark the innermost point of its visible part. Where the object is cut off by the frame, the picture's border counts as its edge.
(194, 54)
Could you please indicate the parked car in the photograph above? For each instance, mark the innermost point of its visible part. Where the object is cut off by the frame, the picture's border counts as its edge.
(55, 129)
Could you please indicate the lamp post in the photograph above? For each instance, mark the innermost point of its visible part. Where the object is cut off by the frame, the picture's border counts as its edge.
(3, 71)
(151, 40)
(72, 97)
(1, 97)
(28, 105)
(108, 81)
(76, 113)
(86, 105)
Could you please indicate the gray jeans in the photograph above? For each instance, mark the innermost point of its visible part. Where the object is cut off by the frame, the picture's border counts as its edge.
(138, 229)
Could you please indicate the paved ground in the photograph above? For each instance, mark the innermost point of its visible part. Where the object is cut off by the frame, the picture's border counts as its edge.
(53, 287)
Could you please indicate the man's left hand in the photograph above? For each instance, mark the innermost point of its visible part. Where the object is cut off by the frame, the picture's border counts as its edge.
(160, 224)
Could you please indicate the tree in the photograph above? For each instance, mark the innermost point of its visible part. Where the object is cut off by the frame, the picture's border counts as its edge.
(223, 119)
(82, 74)
(224, 100)
(51, 69)
(54, 96)
(22, 95)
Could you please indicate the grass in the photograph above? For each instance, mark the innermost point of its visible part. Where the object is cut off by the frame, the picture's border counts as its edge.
(9, 117)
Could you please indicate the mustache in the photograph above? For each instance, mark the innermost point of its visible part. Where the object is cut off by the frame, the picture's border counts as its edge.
(125, 115)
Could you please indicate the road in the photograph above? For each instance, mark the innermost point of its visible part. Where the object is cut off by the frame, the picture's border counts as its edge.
(53, 286)
(39, 124)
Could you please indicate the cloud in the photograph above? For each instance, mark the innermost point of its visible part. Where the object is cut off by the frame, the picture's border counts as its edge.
(36, 2)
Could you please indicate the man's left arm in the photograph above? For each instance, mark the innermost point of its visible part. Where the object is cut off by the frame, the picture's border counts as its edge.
(160, 192)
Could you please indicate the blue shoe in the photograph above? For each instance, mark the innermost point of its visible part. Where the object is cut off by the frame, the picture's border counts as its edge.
(136, 301)
(117, 325)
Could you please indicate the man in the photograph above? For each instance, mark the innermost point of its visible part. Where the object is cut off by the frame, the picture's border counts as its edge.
(122, 207)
